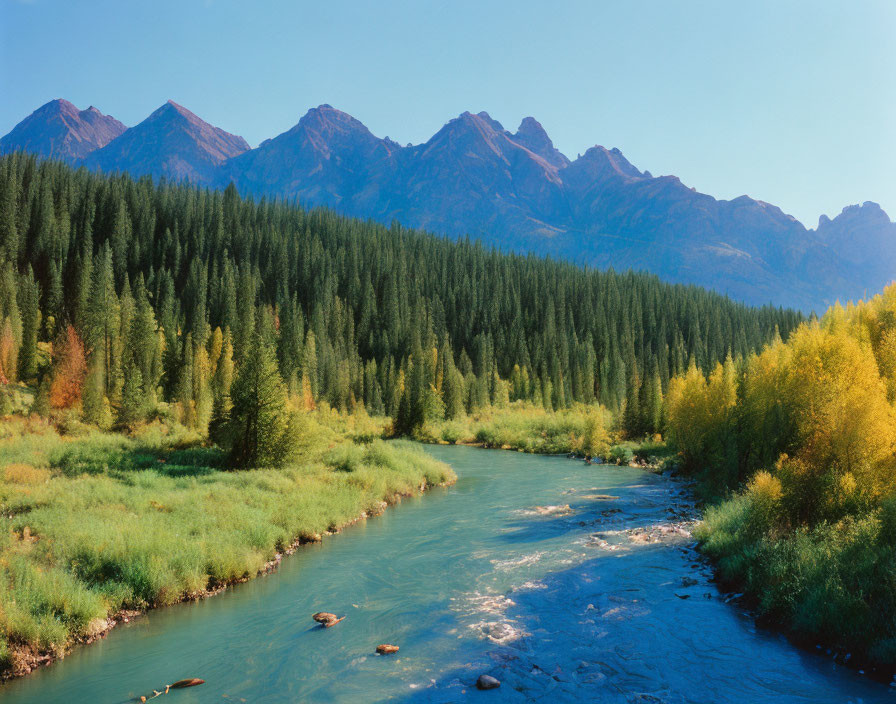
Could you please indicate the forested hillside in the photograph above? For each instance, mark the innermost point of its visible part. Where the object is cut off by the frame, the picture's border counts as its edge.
(158, 290)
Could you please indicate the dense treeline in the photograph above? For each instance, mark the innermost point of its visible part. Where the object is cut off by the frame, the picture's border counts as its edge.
(157, 292)
(809, 427)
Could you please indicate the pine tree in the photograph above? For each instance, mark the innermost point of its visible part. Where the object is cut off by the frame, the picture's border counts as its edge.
(96, 408)
(133, 405)
(9, 235)
(202, 391)
(29, 302)
(258, 419)
(102, 317)
(221, 382)
(309, 362)
(142, 344)
(185, 385)
(454, 393)
(412, 407)
(41, 405)
(652, 405)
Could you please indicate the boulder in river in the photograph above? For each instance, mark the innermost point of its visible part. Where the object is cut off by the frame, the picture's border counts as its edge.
(326, 619)
(386, 649)
(191, 682)
(487, 682)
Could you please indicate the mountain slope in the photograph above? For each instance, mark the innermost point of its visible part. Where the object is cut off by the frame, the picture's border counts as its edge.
(58, 130)
(171, 142)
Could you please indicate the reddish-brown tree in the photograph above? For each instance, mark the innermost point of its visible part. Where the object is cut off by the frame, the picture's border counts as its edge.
(69, 370)
(9, 353)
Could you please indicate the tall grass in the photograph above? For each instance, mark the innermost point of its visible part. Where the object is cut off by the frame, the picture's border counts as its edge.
(98, 522)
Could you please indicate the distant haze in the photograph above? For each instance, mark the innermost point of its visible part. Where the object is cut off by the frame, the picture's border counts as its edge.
(791, 103)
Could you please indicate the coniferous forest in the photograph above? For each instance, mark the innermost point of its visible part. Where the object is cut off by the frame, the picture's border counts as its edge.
(153, 292)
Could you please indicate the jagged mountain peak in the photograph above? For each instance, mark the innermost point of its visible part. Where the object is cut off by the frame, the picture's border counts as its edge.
(535, 138)
(493, 123)
(479, 120)
(468, 133)
(172, 142)
(172, 111)
(868, 209)
(57, 105)
(59, 130)
(866, 214)
(327, 117)
(599, 161)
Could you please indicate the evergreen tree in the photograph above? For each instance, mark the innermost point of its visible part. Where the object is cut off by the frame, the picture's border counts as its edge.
(142, 344)
(258, 421)
(96, 408)
(9, 195)
(133, 405)
(102, 317)
(41, 405)
(29, 306)
(9, 352)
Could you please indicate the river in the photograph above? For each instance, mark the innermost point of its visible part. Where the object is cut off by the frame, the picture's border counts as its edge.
(605, 601)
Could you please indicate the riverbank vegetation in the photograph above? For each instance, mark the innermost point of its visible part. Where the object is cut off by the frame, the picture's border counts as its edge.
(808, 428)
(155, 338)
(582, 430)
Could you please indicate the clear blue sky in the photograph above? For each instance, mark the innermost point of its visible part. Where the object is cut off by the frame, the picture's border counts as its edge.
(792, 102)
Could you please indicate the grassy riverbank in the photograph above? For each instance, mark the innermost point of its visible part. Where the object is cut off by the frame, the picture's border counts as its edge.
(97, 523)
(581, 430)
(830, 583)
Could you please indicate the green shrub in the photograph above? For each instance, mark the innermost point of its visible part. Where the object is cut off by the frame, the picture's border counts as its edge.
(621, 454)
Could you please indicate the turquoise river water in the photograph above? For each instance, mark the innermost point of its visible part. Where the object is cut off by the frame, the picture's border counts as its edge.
(566, 582)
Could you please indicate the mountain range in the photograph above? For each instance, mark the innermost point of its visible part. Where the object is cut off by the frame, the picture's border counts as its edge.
(514, 190)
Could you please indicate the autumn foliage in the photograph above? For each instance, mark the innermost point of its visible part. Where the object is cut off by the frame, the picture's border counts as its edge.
(9, 352)
(807, 429)
(69, 370)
